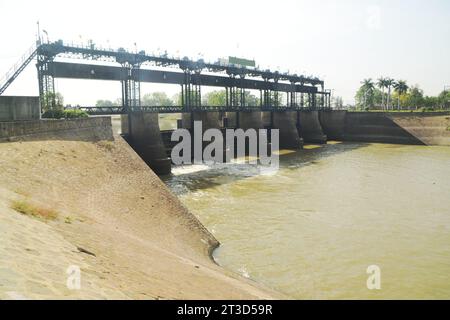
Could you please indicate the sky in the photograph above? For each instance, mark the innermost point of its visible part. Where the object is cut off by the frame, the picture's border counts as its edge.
(341, 41)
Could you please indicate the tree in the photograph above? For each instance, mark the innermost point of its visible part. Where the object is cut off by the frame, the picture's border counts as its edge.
(365, 94)
(215, 98)
(444, 99)
(338, 103)
(52, 101)
(176, 99)
(156, 99)
(107, 103)
(382, 84)
(251, 99)
(275, 99)
(431, 102)
(401, 88)
(368, 87)
(389, 83)
(416, 99)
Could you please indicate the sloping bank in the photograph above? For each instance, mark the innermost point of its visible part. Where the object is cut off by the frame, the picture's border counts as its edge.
(113, 218)
(388, 127)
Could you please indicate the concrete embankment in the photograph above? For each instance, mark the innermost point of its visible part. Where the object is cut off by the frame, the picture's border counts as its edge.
(430, 129)
(113, 218)
(400, 127)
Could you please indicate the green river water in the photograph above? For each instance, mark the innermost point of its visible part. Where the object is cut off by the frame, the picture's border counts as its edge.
(312, 229)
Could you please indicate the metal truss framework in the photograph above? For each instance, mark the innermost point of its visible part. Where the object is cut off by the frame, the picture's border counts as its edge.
(301, 92)
(117, 110)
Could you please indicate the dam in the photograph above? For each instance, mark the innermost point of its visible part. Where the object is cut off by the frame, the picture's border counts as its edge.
(354, 189)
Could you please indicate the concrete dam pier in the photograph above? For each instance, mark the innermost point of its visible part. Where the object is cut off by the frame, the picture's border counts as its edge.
(310, 127)
(145, 138)
(295, 127)
(286, 123)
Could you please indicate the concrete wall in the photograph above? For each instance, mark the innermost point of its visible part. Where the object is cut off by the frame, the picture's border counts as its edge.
(100, 127)
(13, 108)
(310, 127)
(286, 123)
(247, 120)
(209, 120)
(266, 118)
(145, 138)
(333, 123)
(250, 120)
(231, 116)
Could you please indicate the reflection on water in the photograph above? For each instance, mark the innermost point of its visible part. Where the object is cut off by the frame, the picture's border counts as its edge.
(312, 229)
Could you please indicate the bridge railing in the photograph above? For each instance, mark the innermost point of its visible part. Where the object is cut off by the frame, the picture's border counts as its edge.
(17, 68)
(115, 110)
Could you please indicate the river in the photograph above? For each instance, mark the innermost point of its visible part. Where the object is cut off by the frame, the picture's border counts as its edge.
(312, 229)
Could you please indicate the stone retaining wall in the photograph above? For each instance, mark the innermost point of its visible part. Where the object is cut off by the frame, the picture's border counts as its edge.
(13, 129)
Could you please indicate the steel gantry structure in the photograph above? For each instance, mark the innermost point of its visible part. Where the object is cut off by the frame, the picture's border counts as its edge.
(56, 60)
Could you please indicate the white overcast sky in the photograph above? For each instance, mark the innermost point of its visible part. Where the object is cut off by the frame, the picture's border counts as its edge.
(342, 41)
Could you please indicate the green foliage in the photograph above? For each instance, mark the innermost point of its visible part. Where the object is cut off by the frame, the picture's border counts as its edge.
(156, 99)
(218, 98)
(106, 145)
(365, 96)
(53, 114)
(415, 97)
(52, 101)
(176, 99)
(214, 98)
(65, 114)
(31, 210)
(275, 99)
(75, 113)
(444, 99)
(410, 98)
(368, 98)
(252, 100)
(108, 103)
(338, 102)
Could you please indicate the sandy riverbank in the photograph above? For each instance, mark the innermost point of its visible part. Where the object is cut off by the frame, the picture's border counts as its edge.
(146, 244)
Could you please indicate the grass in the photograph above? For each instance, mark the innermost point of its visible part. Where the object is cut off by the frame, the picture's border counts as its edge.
(28, 209)
(420, 110)
(107, 145)
(68, 220)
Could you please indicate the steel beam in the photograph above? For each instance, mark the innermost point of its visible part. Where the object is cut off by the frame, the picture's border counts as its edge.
(101, 72)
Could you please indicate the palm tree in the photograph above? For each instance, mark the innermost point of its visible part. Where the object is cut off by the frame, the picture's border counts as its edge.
(401, 88)
(382, 85)
(389, 83)
(368, 87)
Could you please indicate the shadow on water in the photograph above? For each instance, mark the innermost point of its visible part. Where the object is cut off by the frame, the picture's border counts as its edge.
(190, 178)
